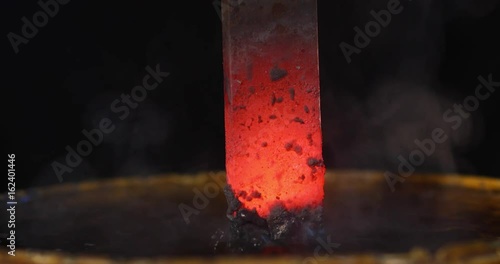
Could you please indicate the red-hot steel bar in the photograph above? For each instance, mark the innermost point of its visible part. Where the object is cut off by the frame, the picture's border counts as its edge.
(272, 106)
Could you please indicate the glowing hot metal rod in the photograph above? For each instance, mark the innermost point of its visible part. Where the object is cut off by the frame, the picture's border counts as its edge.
(274, 158)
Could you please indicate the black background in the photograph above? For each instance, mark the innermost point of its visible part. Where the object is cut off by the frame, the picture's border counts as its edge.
(393, 92)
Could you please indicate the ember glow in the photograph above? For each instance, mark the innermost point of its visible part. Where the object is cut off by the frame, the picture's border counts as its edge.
(272, 105)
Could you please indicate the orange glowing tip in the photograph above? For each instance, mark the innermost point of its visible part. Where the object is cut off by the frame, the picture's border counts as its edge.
(272, 104)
